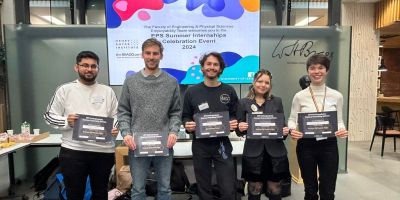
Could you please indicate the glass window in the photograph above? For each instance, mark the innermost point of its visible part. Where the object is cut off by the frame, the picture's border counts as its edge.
(95, 13)
(301, 12)
(309, 13)
(55, 12)
(268, 17)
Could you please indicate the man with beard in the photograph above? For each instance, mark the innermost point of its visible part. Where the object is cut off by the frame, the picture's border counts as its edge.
(150, 103)
(80, 159)
(211, 96)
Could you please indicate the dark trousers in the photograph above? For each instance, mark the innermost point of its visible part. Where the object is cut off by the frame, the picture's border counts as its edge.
(77, 165)
(205, 152)
(324, 155)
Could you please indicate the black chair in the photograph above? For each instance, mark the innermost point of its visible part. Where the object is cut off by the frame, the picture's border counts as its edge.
(392, 113)
(384, 128)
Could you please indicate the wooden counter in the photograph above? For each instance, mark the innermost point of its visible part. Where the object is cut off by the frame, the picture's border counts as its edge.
(392, 102)
(389, 100)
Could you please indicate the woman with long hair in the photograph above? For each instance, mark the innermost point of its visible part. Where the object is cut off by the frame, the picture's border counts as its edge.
(264, 161)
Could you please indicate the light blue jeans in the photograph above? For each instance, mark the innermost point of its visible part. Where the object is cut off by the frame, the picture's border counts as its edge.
(139, 167)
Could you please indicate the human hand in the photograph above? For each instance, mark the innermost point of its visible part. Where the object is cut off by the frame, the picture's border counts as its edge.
(295, 134)
(190, 126)
(243, 126)
(172, 138)
(342, 133)
(233, 124)
(71, 119)
(130, 142)
(285, 131)
(114, 132)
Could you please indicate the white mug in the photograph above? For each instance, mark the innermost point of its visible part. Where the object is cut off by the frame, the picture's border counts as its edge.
(10, 132)
(36, 131)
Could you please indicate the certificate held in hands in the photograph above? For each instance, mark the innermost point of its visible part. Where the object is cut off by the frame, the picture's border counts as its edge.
(212, 124)
(318, 124)
(93, 128)
(265, 126)
(151, 144)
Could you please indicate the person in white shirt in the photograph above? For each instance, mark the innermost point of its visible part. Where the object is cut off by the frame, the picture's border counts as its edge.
(321, 153)
(80, 159)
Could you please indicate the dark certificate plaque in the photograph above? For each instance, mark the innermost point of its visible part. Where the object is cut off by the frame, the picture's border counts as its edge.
(151, 144)
(213, 124)
(265, 126)
(93, 128)
(318, 124)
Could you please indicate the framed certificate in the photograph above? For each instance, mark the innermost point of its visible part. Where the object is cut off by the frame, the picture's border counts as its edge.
(213, 124)
(151, 144)
(265, 126)
(318, 124)
(93, 128)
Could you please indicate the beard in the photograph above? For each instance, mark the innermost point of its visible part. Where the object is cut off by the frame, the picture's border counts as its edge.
(216, 72)
(86, 78)
(151, 63)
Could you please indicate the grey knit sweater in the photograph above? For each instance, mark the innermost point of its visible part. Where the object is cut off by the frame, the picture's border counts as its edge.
(149, 104)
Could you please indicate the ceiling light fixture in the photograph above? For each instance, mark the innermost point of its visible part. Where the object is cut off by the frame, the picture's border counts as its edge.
(382, 67)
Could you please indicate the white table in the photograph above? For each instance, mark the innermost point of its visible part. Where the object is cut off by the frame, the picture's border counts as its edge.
(12, 149)
(9, 151)
(52, 140)
(182, 149)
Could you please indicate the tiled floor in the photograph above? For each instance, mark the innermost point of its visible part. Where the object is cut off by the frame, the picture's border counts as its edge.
(369, 177)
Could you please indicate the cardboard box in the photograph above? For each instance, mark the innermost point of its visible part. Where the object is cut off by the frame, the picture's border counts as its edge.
(121, 155)
(32, 138)
(293, 163)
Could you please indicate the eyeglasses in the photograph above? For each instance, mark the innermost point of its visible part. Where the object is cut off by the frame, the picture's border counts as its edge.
(87, 66)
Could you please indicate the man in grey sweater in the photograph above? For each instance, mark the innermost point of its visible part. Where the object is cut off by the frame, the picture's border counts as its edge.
(150, 103)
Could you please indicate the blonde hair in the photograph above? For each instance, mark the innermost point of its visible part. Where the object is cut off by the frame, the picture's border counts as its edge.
(252, 93)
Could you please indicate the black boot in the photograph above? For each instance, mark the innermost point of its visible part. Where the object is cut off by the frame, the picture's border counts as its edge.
(253, 197)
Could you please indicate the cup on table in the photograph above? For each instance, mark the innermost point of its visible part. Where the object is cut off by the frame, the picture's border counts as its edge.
(10, 132)
(36, 131)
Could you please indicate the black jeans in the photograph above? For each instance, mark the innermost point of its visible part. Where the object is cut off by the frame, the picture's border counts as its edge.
(77, 165)
(205, 152)
(324, 155)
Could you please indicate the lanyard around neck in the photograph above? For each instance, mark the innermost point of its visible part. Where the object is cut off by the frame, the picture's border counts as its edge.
(315, 101)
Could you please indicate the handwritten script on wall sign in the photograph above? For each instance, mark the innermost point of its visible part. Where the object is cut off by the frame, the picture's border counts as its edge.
(293, 48)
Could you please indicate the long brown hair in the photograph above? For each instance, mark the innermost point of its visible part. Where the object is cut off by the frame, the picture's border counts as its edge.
(252, 93)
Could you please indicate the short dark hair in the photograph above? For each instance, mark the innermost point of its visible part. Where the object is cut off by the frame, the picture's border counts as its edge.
(152, 42)
(319, 59)
(87, 54)
(215, 54)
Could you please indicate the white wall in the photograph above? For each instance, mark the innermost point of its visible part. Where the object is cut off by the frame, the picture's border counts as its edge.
(364, 69)
(7, 17)
(7, 13)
